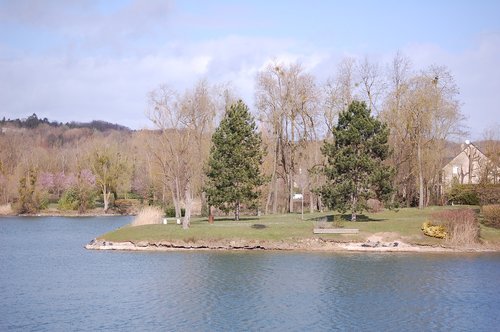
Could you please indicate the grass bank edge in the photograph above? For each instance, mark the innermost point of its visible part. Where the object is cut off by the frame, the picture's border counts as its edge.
(404, 224)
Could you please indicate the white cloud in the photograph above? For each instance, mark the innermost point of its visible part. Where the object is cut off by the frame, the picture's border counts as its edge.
(477, 74)
(102, 63)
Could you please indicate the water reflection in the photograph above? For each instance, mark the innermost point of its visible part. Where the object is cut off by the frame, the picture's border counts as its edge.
(49, 282)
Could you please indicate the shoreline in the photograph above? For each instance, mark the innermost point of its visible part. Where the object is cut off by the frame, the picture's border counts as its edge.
(68, 215)
(307, 245)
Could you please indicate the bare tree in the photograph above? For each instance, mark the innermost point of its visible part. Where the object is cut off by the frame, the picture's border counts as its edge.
(184, 124)
(108, 166)
(287, 99)
(339, 92)
(372, 84)
(425, 114)
(399, 73)
(490, 168)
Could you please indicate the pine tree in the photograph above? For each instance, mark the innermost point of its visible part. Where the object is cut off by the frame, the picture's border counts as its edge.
(234, 164)
(355, 169)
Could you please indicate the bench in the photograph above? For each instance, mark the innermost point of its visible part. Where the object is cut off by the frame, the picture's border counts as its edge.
(336, 231)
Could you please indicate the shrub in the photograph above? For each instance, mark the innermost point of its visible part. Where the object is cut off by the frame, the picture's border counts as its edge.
(170, 212)
(127, 206)
(29, 198)
(374, 205)
(148, 216)
(69, 200)
(437, 231)
(489, 194)
(6, 209)
(77, 198)
(464, 194)
(491, 215)
(462, 226)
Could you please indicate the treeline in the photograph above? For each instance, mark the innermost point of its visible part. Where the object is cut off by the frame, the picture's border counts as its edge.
(76, 165)
(33, 121)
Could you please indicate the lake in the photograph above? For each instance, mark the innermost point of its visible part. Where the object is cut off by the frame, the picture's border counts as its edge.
(49, 282)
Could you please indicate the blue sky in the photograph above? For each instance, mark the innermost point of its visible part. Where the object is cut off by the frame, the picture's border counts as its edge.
(84, 60)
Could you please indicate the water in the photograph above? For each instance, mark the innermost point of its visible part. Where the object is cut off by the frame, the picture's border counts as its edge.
(48, 282)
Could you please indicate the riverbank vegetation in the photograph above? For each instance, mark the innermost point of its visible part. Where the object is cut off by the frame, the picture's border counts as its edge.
(83, 167)
(402, 225)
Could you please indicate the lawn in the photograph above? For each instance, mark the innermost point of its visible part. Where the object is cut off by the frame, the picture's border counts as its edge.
(396, 224)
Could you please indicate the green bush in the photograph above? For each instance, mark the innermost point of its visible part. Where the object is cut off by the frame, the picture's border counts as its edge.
(69, 200)
(76, 198)
(463, 194)
(170, 212)
(491, 215)
(489, 194)
(29, 200)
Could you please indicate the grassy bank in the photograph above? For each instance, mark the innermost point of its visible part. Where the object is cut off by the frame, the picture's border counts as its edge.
(403, 224)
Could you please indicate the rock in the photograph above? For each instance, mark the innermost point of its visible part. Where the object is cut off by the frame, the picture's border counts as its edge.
(142, 244)
(395, 244)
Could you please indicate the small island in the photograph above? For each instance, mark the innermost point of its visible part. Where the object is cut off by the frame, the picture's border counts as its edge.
(386, 231)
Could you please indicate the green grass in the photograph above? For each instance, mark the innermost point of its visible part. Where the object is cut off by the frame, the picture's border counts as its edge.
(289, 227)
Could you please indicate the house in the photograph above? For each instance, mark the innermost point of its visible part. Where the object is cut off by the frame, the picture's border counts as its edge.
(466, 168)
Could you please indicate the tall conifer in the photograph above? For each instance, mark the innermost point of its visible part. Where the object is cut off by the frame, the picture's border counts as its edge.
(355, 170)
(234, 164)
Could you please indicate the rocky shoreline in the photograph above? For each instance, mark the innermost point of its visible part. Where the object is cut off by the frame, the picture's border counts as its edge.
(315, 244)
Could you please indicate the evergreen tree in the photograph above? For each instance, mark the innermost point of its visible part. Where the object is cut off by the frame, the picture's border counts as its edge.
(355, 169)
(29, 199)
(234, 163)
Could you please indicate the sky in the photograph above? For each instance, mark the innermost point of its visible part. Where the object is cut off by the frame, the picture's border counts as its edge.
(89, 60)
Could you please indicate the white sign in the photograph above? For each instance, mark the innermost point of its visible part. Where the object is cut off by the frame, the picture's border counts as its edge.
(297, 196)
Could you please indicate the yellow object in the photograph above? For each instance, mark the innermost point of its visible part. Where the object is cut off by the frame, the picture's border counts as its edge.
(437, 231)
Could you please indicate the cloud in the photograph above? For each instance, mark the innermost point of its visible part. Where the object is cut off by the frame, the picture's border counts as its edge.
(93, 27)
(99, 59)
(477, 74)
(88, 88)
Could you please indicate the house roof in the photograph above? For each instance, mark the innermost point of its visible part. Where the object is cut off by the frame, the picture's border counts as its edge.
(449, 160)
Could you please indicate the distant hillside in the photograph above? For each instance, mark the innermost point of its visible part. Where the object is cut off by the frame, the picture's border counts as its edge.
(33, 121)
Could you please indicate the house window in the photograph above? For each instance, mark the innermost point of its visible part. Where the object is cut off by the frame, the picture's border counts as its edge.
(455, 170)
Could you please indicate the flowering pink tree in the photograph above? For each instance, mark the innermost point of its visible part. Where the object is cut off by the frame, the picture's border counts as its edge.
(79, 190)
(63, 182)
(87, 177)
(46, 181)
(3, 189)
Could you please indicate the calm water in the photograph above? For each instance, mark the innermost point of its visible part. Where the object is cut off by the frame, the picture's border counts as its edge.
(48, 282)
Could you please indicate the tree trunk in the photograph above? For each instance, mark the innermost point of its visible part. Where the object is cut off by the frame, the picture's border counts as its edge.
(427, 196)
(275, 196)
(270, 193)
(273, 184)
(105, 197)
(177, 199)
(354, 208)
(186, 221)
(420, 176)
(237, 211)
(311, 202)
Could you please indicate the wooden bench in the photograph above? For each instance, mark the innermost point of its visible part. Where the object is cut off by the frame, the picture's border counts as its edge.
(336, 231)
